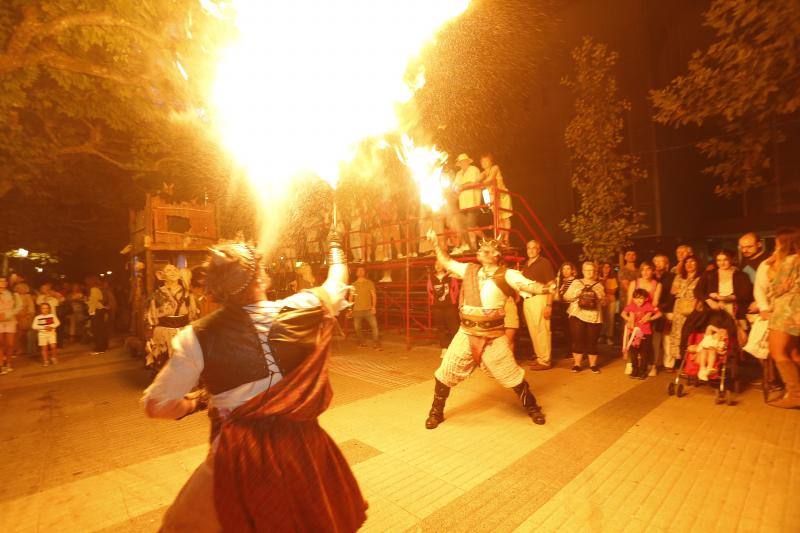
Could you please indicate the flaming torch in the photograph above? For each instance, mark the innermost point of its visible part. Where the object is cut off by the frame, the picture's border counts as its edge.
(304, 82)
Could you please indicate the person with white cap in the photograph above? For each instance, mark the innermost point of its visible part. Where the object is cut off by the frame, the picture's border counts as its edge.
(467, 183)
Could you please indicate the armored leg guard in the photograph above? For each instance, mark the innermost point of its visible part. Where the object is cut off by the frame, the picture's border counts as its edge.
(436, 414)
(523, 391)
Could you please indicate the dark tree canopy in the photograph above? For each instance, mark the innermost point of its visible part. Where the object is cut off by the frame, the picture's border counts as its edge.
(96, 111)
(747, 82)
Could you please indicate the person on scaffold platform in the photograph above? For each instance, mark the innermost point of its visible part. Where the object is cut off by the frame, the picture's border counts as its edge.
(481, 340)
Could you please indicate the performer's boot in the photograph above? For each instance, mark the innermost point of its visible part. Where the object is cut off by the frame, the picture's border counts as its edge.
(523, 391)
(436, 415)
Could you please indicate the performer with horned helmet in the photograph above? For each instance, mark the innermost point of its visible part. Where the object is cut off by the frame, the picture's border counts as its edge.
(271, 467)
(481, 339)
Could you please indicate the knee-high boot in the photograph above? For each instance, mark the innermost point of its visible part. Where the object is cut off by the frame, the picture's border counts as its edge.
(436, 414)
(523, 392)
(791, 378)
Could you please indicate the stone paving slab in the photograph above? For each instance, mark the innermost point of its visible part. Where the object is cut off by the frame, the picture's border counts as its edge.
(616, 454)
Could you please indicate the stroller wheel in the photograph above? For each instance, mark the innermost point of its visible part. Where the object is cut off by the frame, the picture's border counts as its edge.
(671, 388)
(722, 396)
(679, 391)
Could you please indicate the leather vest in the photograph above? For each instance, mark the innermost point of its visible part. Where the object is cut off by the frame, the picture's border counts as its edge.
(232, 351)
(470, 289)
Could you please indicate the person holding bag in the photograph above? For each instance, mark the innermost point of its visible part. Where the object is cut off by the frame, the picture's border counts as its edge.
(585, 316)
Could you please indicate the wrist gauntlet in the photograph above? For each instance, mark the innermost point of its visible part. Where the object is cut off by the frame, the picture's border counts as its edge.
(335, 253)
(201, 402)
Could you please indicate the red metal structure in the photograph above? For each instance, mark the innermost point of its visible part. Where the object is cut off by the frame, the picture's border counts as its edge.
(403, 304)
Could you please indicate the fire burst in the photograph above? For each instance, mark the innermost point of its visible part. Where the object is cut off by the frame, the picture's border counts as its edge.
(306, 81)
(426, 164)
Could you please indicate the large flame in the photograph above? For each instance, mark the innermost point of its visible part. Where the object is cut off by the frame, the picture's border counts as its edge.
(426, 164)
(306, 81)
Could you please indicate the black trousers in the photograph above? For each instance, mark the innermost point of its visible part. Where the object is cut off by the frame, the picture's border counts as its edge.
(584, 336)
(642, 355)
(445, 319)
(100, 330)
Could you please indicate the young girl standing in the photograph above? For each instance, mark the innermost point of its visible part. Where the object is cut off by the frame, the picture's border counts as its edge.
(46, 323)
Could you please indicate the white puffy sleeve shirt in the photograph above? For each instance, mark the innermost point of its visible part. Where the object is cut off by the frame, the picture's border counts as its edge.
(183, 370)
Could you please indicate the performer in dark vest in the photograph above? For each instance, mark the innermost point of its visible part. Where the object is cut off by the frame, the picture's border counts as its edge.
(480, 340)
(264, 364)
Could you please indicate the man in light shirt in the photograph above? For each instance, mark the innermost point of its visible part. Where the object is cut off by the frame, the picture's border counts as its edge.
(467, 183)
(481, 339)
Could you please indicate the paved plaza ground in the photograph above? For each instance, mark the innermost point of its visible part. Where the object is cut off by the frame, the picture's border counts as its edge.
(615, 455)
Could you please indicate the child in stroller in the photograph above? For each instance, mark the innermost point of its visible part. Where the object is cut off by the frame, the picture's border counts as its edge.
(713, 343)
(708, 339)
(637, 342)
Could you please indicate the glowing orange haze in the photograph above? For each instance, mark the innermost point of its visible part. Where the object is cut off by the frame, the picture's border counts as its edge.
(305, 82)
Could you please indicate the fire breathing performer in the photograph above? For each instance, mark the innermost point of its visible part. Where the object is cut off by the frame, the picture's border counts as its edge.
(270, 467)
(481, 340)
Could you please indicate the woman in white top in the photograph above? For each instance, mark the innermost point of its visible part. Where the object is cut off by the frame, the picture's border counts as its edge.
(492, 178)
(646, 281)
(585, 316)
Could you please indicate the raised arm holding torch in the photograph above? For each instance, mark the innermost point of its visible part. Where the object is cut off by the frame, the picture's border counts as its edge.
(480, 340)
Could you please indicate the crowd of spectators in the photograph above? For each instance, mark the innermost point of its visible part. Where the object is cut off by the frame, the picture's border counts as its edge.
(37, 322)
(392, 226)
(657, 305)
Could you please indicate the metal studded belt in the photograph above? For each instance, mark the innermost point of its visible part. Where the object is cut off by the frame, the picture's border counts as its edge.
(485, 324)
(173, 321)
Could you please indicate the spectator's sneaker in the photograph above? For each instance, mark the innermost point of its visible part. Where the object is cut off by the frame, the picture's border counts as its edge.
(576, 369)
(653, 371)
(3, 370)
(539, 366)
(401, 256)
(702, 374)
(362, 344)
(628, 369)
(97, 353)
(595, 369)
(53, 361)
(385, 279)
(378, 348)
(413, 254)
(46, 363)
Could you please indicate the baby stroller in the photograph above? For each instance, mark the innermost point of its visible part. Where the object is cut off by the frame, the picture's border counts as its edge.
(722, 375)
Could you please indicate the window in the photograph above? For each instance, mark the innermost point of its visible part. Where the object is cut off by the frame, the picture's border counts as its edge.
(176, 224)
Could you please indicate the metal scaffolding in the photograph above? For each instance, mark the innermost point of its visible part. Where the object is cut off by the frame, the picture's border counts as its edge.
(403, 304)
